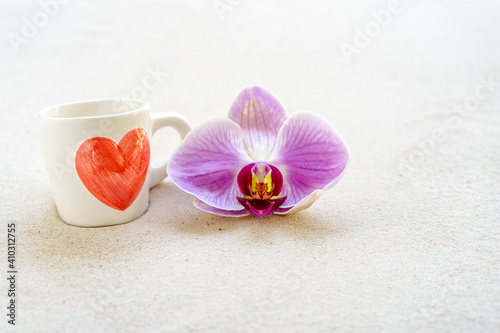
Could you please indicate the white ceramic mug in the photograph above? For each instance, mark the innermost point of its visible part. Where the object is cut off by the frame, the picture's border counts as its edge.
(98, 157)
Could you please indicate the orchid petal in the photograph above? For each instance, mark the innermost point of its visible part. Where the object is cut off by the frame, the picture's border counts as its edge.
(310, 154)
(208, 161)
(260, 116)
(217, 211)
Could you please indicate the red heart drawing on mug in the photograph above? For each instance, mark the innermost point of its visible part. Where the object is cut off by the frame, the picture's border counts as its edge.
(114, 173)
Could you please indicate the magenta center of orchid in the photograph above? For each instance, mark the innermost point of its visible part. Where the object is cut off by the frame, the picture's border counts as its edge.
(261, 185)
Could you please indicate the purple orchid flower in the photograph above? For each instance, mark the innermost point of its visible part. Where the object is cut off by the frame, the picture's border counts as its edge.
(259, 161)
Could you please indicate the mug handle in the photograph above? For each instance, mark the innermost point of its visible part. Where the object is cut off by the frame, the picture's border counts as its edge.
(166, 119)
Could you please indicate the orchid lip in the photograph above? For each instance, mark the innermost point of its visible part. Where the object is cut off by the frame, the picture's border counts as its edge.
(260, 184)
(261, 207)
(260, 180)
(257, 212)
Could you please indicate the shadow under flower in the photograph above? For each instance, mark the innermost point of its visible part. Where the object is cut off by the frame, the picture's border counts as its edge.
(181, 216)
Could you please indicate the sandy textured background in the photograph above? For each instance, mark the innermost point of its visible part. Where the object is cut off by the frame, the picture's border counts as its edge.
(407, 241)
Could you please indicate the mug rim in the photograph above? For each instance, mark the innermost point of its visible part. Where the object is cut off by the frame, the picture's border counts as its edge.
(143, 106)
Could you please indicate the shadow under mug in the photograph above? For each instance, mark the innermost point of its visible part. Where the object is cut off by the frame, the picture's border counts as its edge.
(98, 154)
